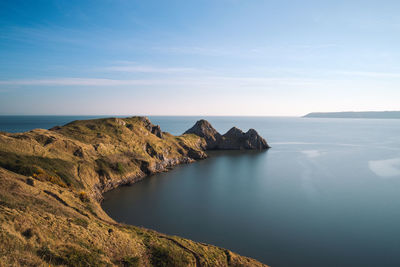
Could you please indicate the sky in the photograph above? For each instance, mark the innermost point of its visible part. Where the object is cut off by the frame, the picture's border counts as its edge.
(198, 57)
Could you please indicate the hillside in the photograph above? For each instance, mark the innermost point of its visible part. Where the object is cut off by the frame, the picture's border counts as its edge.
(52, 185)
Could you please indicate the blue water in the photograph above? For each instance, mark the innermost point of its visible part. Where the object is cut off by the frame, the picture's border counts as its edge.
(326, 194)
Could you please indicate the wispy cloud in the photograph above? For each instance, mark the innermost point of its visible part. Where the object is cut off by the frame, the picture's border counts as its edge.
(148, 69)
(245, 51)
(79, 82)
(201, 78)
(205, 82)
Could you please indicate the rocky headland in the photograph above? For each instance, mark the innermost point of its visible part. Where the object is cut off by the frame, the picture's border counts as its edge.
(53, 181)
(234, 139)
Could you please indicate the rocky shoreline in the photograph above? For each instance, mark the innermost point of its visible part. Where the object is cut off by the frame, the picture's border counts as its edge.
(53, 182)
(234, 139)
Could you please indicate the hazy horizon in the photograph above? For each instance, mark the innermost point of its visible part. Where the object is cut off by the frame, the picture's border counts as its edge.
(202, 115)
(208, 58)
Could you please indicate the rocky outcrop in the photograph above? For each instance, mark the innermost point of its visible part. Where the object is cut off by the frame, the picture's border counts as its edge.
(52, 183)
(234, 139)
(205, 130)
(154, 129)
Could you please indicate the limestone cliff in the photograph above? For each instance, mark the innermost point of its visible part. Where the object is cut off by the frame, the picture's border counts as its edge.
(52, 182)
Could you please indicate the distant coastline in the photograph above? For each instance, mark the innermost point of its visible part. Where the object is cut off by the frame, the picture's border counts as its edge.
(356, 115)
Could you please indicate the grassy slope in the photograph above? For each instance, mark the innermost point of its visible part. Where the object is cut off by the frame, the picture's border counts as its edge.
(58, 219)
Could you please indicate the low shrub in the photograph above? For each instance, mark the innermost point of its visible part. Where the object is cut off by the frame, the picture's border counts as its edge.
(70, 256)
(28, 233)
(129, 261)
(120, 168)
(83, 196)
(81, 222)
(56, 171)
(164, 257)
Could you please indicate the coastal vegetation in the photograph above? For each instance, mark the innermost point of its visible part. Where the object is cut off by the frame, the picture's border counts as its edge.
(52, 185)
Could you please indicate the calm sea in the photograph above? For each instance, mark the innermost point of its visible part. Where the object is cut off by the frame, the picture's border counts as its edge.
(326, 194)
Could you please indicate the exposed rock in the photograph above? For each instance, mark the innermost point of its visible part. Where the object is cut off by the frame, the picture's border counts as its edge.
(234, 134)
(120, 122)
(30, 181)
(79, 153)
(192, 153)
(52, 178)
(255, 141)
(204, 129)
(154, 129)
(234, 139)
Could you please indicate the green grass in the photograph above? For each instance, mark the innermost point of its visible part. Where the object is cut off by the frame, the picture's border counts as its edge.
(70, 256)
(103, 167)
(120, 168)
(129, 261)
(167, 257)
(54, 170)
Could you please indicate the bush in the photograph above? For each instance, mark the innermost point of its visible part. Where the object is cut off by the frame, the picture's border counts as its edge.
(70, 256)
(28, 233)
(129, 261)
(56, 171)
(102, 167)
(163, 257)
(83, 196)
(120, 168)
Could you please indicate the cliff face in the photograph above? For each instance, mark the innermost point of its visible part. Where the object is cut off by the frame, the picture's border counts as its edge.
(234, 139)
(52, 182)
(205, 130)
(97, 155)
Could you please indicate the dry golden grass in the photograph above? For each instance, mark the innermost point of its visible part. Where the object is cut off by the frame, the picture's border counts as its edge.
(54, 217)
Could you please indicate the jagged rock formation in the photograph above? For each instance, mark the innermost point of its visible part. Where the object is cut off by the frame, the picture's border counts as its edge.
(154, 129)
(234, 139)
(52, 183)
(205, 130)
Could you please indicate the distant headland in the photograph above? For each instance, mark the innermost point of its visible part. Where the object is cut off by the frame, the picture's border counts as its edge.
(356, 115)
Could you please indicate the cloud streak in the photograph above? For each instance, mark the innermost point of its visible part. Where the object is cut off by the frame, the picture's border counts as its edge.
(224, 82)
(148, 69)
(205, 80)
(79, 82)
(210, 83)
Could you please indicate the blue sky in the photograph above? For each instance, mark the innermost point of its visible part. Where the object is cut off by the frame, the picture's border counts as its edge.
(203, 57)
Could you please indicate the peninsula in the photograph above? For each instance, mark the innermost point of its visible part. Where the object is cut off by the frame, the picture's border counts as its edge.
(53, 181)
(356, 115)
